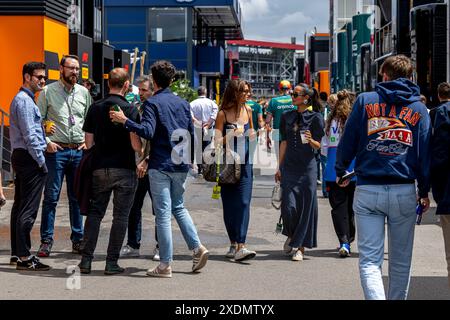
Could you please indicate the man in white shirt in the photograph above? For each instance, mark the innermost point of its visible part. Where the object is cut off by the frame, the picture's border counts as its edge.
(204, 113)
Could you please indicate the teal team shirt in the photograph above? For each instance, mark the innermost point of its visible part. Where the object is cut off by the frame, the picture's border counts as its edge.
(256, 110)
(278, 106)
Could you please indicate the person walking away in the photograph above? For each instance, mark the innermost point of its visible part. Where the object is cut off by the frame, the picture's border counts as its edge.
(440, 165)
(131, 249)
(28, 161)
(234, 129)
(388, 132)
(165, 117)
(204, 114)
(324, 110)
(114, 170)
(301, 132)
(65, 103)
(341, 199)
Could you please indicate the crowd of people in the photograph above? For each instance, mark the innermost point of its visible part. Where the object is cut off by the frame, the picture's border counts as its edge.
(374, 151)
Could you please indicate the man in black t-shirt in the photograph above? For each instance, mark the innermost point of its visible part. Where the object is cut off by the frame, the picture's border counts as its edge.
(114, 171)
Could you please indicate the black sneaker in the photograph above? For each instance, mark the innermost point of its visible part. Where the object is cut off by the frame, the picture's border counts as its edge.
(113, 268)
(45, 249)
(76, 247)
(32, 264)
(13, 260)
(85, 265)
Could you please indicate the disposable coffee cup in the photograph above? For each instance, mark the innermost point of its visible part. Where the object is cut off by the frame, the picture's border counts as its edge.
(303, 136)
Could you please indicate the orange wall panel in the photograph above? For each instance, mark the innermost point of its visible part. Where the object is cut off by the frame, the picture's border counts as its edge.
(325, 81)
(21, 41)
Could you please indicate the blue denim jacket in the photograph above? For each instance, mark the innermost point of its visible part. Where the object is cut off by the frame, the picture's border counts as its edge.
(167, 123)
(26, 126)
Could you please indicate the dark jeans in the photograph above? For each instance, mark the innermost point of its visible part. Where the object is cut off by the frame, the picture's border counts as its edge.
(317, 156)
(323, 162)
(135, 218)
(29, 183)
(341, 201)
(203, 141)
(105, 181)
(62, 163)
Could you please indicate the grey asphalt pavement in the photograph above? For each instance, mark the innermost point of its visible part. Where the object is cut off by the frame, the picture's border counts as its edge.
(271, 275)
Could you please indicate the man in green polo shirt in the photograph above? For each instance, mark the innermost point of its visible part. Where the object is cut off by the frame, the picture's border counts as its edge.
(64, 103)
(277, 106)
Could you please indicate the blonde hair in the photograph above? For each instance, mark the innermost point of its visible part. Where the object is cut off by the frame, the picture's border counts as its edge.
(341, 110)
(332, 99)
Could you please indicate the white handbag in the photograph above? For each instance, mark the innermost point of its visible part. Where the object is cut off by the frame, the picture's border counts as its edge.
(276, 196)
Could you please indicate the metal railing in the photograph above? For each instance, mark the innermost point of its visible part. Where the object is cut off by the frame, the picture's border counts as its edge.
(5, 149)
(384, 41)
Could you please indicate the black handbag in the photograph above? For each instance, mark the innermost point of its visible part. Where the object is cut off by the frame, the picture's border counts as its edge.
(221, 167)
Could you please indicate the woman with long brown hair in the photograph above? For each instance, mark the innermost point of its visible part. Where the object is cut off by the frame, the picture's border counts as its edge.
(341, 199)
(234, 127)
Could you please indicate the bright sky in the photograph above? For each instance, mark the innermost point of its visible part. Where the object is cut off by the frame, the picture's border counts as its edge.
(279, 20)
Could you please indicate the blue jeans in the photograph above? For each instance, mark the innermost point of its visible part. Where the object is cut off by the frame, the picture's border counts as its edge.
(63, 162)
(373, 205)
(167, 190)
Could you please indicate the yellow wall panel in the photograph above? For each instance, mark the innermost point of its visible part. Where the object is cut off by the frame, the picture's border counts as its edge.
(56, 37)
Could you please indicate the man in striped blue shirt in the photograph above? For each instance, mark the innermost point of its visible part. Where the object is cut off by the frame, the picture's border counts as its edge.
(28, 161)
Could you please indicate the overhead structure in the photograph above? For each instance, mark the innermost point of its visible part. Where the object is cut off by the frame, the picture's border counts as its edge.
(264, 64)
(191, 34)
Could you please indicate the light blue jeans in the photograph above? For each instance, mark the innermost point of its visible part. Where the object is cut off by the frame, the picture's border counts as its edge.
(167, 190)
(373, 205)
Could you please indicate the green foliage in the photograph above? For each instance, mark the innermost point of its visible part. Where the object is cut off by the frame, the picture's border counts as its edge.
(182, 89)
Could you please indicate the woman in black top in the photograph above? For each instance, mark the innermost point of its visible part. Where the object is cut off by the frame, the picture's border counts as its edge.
(301, 131)
(234, 128)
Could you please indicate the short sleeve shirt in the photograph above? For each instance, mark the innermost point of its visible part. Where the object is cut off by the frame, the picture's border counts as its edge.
(112, 140)
(256, 111)
(278, 106)
(300, 157)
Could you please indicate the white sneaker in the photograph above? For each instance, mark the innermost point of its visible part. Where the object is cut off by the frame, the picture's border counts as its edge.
(297, 256)
(128, 251)
(156, 256)
(231, 252)
(244, 254)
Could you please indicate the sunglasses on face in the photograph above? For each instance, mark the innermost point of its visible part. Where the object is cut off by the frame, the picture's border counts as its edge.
(296, 95)
(40, 77)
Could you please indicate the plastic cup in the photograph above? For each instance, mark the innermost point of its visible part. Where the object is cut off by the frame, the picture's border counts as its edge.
(240, 129)
(303, 136)
(48, 124)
